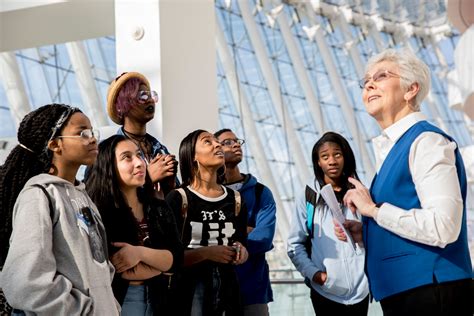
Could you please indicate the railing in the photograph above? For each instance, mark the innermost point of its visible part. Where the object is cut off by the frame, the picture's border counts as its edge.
(291, 298)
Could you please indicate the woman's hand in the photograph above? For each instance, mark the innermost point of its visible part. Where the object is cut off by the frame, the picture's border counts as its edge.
(126, 258)
(353, 227)
(162, 166)
(221, 254)
(241, 253)
(359, 199)
(320, 277)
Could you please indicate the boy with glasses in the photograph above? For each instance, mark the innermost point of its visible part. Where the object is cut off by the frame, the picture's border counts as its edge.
(253, 275)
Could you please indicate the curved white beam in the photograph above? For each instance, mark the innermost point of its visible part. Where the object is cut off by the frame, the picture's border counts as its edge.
(296, 58)
(301, 165)
(14, 87)
(341, 94)
(90, 96)
(250, 127)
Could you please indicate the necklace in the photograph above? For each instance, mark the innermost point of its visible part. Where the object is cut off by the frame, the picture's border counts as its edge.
(142, 143)
(137, 137)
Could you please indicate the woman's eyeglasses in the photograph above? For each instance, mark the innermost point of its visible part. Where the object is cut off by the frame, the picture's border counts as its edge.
(230, 142)
(380, 75)
(146, 96)
(86, 135)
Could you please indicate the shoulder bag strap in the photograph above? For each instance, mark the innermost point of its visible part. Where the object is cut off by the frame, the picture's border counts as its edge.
(184, 208)
(50, 202)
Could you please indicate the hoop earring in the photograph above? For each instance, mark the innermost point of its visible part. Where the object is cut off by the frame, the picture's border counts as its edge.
(197, 174)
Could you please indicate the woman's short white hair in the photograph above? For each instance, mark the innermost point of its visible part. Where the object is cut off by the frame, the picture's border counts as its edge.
(412, 69)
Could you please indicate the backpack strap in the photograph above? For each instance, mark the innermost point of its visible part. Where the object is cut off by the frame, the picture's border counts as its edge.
(50, 202)
(258, 194)
(184, 203)
(238, 202)
(184, 208)
(258, 189)
(311, 198)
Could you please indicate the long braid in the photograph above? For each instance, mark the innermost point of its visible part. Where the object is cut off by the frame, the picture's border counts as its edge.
(34, 132)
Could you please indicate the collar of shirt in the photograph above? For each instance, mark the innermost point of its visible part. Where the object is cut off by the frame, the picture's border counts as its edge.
(383, 143)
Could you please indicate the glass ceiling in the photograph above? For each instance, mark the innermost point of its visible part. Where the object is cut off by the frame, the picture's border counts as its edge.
(423, 13)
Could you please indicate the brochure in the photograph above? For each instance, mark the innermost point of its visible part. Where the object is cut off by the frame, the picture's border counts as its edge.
(330, 198)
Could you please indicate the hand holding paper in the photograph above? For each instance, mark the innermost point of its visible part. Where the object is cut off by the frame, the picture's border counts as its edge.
(330, 198)
(328, 195)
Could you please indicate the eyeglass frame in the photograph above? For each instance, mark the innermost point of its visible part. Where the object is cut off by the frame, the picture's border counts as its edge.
(233, 142)
(150, 93)
(93, 134)
(364, 81)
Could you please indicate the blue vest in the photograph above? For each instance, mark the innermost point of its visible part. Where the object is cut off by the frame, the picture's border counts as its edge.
(395, 264)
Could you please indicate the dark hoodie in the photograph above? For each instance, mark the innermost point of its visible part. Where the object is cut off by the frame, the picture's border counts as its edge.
(253, 275)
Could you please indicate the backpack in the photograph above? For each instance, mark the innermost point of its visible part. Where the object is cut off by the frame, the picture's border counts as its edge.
(5, 308)
(185, 206)
(312, 199)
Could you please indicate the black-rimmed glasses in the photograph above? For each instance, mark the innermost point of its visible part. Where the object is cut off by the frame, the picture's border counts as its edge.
(231, 142)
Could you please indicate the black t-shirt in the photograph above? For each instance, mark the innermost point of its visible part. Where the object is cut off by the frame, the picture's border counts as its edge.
(210, 221)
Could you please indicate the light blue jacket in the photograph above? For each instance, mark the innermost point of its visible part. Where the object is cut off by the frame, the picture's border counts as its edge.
(346, 281)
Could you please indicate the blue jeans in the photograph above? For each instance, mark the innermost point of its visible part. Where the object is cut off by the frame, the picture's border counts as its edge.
(198, 299)
(137, 302)
(200, 293)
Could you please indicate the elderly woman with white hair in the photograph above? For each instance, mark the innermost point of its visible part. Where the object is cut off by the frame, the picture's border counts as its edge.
(414, 215)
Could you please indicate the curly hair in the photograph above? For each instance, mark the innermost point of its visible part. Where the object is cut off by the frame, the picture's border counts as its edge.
(222, 131)
(28, 159)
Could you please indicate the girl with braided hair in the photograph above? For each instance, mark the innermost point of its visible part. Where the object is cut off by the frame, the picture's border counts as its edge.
(56, 263)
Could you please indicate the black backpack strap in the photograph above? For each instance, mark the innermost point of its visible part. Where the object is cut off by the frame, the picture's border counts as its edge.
(258, 193)
(311, 198)
(50, 202)
(258, 197)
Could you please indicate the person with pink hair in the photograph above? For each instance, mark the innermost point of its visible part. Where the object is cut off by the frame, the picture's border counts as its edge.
(131, 103)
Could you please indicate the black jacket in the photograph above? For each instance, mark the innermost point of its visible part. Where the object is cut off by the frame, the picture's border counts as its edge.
(121, 226)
